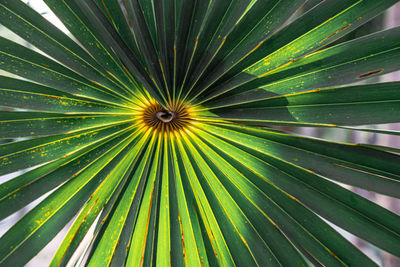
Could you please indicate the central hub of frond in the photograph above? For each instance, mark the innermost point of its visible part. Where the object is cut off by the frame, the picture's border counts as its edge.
(166, 115)
(173, 118)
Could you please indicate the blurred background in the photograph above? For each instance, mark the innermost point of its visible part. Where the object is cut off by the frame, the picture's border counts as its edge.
(389, 19)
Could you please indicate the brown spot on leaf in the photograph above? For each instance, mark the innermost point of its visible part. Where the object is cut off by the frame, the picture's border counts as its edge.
(336, 32)
(182, 237)
(53, 96)
(107, 11)
(292, 197)
(310, 91)
(333, 254)
(96, 83)
(365, 75)
(112, 75)
(252, 50)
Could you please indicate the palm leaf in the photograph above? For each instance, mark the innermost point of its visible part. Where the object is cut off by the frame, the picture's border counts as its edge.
(150, 127)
